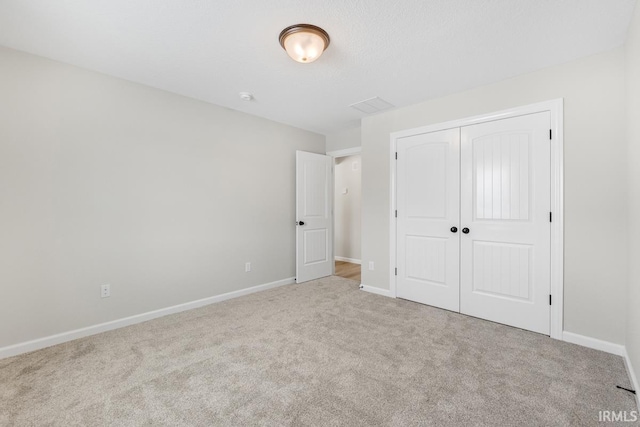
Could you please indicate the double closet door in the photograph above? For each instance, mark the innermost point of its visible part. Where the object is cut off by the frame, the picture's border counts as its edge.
(473, 220)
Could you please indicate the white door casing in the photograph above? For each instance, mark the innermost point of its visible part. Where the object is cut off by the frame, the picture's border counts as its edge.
(505, 205)
(427, 208)
(314, 234)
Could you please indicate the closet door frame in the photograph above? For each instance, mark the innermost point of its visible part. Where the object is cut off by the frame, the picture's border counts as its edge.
(555, 108)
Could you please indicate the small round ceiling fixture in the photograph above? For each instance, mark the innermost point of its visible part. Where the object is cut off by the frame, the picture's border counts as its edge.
(304, 42)
(245, 96)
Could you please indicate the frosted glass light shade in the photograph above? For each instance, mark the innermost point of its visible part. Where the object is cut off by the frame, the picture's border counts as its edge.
(303, 42)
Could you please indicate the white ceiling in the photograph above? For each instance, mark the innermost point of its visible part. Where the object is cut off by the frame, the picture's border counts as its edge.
(404, 51)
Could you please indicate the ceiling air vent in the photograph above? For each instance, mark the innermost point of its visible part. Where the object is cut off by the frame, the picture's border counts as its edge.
(372, 105)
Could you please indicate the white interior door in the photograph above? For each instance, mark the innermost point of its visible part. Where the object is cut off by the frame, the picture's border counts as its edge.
(428, 196)
(505, 205)
(314, 233)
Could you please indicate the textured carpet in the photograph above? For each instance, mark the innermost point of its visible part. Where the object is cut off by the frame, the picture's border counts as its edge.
(320, 353)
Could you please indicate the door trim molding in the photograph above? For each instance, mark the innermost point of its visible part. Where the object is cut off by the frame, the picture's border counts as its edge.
(555, 108)
(344, 153)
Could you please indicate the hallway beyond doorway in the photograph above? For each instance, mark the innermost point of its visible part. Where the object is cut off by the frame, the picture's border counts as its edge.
(348, 270)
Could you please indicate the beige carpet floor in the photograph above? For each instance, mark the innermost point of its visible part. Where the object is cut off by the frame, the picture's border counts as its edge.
(321, 353)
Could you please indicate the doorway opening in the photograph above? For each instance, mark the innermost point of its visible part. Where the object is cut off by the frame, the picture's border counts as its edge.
(347, 172)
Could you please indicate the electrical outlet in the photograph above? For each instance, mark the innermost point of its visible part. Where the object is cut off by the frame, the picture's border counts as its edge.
(105, 291)
(247, 267)
(371, 265)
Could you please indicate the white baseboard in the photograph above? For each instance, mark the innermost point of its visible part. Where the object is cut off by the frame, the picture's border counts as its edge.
(37, 344)
(377, 291)
(632, 376)
(606, 346)
(351, 260)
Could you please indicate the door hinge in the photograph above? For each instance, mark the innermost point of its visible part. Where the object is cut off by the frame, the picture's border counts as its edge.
(550, 216)
(396, 155)
(550, 134)
(549, 299)
(396, 213)
(396, 271)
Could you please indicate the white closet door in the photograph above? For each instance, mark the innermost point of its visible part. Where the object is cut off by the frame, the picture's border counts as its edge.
(428, 196)
(505, 204)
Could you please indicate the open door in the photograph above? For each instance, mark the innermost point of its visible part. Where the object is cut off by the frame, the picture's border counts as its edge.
(314, 234)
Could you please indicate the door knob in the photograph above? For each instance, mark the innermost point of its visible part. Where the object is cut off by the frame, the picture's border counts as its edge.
(299, 222)
(454, 229)
(465, 230)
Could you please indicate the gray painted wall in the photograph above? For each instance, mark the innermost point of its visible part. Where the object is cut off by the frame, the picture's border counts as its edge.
(633, 97)
(347, 138)
(161, 196)
(596, 267)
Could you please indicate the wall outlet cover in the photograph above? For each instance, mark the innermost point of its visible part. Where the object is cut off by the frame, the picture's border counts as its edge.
(105, 291)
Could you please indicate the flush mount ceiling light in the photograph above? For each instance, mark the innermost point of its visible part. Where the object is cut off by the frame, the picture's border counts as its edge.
(304, 42)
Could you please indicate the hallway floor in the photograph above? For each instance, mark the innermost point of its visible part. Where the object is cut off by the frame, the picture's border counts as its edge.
(348, 270)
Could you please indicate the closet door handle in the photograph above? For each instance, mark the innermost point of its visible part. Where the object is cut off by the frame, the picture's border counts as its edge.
(454, 229)
(465, 230)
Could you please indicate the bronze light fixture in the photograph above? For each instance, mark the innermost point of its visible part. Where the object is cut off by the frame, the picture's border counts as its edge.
(304, 42)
